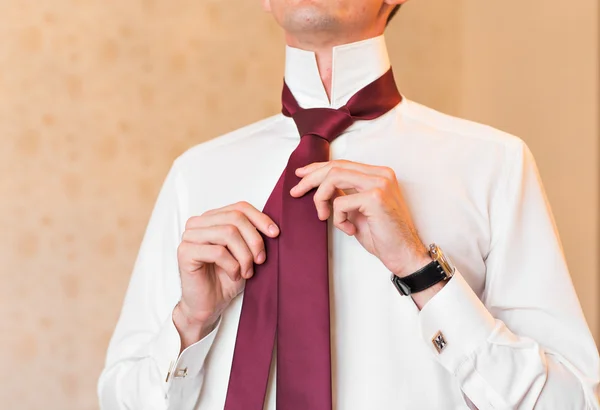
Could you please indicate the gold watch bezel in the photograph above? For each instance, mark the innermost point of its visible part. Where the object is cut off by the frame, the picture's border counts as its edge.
(438, 255)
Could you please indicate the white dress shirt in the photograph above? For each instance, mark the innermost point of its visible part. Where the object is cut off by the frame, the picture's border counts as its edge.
(516, 336)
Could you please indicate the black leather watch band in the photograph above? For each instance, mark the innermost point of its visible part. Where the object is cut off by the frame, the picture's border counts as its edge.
(422, 279)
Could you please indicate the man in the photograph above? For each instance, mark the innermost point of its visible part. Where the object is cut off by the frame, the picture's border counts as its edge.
(500, 327)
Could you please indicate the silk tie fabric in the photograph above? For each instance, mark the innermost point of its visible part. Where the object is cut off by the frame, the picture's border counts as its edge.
(287, 300)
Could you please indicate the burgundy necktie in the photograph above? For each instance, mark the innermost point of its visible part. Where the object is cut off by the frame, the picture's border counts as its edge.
(288, 298)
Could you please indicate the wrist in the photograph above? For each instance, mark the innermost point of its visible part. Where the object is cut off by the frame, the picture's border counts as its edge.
(191, 330)
(426, 281)
(416, 261)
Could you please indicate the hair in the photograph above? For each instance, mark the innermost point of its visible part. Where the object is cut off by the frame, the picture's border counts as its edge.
(393, 13)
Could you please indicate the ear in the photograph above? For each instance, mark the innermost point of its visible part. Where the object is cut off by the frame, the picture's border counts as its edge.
(266, 5)
(389, 2)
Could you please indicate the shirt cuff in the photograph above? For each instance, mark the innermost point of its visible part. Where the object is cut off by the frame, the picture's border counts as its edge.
(172, 365)
(455, 323)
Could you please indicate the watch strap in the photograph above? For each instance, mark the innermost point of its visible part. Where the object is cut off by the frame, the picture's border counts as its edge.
(422, 279)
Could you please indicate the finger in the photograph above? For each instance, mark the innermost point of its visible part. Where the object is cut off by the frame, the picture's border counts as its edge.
(246, 228)
(364, 202)
(260, 220)
(323, 202)
(344, 205)
(229, 236)
(310, 168)
(326, 193)
(323, 167)
(199, 256)
(340, 178)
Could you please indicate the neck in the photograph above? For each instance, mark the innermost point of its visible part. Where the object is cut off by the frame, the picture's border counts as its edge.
(323, 49)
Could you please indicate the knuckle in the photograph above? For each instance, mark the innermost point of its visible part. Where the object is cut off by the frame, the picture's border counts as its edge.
(242, 205)
(256, 242)
(238, 216)
(190, 235)
(382, 182)
(190, 222)
(208, 212)
(337, 202)
(389, 173)
(377, 195)
(180, 251)
(229, 230)
(317, 197)
(220, 252)
(185, 236)
(334, 171)
(247, 262)
(234, 269)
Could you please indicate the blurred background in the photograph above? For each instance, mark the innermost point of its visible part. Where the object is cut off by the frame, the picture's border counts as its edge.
(97, 97)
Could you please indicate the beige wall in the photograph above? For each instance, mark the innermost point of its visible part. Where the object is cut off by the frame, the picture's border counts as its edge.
(97, 97)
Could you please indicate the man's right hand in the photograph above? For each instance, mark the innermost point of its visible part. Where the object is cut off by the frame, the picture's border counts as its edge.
(216, 256)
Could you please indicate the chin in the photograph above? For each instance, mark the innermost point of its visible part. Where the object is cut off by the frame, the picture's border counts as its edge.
(316, 15)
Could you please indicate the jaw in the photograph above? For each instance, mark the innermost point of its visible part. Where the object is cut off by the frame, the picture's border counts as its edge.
(318, 24)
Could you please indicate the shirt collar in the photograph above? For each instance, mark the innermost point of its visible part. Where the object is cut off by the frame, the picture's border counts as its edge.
(354, 66)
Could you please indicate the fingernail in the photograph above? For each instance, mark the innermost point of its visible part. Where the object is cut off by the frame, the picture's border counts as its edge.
(273, 230)
(261, 257)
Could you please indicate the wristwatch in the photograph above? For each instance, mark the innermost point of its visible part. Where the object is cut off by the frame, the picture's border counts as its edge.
(440, 269)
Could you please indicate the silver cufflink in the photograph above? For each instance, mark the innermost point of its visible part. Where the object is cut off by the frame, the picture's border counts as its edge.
(439, 342)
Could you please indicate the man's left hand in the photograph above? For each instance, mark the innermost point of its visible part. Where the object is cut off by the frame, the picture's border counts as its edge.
(368, 204)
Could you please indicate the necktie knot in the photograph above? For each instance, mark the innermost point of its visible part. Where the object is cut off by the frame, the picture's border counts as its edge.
(325, 123)
(368, 103)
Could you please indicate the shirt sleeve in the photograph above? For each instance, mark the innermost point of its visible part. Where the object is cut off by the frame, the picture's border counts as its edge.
(525, 344)
(144, 369)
